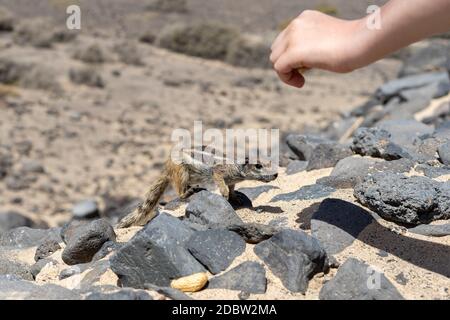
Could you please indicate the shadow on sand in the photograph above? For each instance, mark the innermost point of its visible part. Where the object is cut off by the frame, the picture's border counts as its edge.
(363, 225)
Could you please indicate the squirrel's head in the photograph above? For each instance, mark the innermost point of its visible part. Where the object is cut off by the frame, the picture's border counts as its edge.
(257, 171)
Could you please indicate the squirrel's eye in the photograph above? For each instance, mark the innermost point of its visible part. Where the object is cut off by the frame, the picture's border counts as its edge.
(258, 166)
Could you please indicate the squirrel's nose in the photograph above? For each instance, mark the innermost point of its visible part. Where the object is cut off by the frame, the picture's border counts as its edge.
(275, 175)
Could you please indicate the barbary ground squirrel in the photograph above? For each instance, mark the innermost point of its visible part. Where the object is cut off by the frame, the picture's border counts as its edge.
(188, 175)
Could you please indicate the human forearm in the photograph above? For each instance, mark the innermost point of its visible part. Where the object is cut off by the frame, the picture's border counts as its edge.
(402, 22)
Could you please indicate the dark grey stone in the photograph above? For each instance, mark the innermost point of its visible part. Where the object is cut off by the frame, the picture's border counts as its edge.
(429, 58)
(432, 230)
(347, 172)
(337, 223)
(444, 153)
(433, 90)
(118, 294)
(326, 155)
(296, 166)
(377, 142)
(86, 209)
(255, 192)
(73, 270)
(440, 117)
(9, 264)
(280, 222)
(10, 277)
(107, 248)
(96, 270)
(443, 130)
(428, 146)
(165, 224)
(337, 129)
(254, 232)
(432, 171)
(67, 273)
(303, 145)
(69, 229)
(36, 268)
(25, 290)
(396, 86)
(443, 199)
(410, 102)
(211, 209)
(11, 219)
(249, 277)
(24, 237)
(352, 170)
(405, 132)
(366, 108)
(195, 226)
(86, 241)
(156, 254)
(382, 253)
(377, 114)
(286, 155)
(409, 200)
(401, 279)
(294, 257)
(216, 248)
(243, 295)
(46, 249)
(353, 281)
(175, 204)
(314, 191)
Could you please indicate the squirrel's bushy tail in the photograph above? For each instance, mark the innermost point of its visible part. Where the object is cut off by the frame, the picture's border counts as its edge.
(145, 212)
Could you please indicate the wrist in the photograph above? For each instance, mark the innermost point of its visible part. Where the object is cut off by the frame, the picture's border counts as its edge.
(362, 44)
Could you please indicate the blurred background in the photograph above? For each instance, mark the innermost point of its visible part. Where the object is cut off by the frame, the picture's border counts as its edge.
(88, 114)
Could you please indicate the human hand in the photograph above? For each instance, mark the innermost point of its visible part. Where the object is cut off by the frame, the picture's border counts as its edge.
(316, 40)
